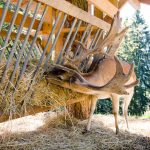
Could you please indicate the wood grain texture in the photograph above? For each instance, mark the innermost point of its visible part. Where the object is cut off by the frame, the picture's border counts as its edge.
(106, 6)
(72, 10)
(19, 18)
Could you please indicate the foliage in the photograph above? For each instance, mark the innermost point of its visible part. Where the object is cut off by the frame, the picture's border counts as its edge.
(136, 48)
(104, 106)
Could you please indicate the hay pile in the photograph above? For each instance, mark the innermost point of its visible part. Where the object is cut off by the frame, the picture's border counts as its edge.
(42, 93)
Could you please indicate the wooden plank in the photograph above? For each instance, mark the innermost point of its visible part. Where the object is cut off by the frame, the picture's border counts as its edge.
(72, 10)
(108, 19)
(145, 1)
(47, 27)
(60, 42)
(106, 6)
(135, 4)
(19, 18)
(122, 3)
(114, 2)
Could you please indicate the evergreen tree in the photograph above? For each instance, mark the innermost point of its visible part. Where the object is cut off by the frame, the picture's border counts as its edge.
(136, 48)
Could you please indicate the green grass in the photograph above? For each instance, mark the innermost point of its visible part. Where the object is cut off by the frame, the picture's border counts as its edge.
(146, 115)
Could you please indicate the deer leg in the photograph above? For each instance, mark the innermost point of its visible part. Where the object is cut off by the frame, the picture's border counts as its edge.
(93, 106)
(127, 100)
(115, 105)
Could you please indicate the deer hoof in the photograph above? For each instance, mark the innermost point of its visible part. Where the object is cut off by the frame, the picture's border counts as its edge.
(117, 131)
(85, 131)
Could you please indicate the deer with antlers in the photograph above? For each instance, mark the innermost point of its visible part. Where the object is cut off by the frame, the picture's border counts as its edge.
(106, 77)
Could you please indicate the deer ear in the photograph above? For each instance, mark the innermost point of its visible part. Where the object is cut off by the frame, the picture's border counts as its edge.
(131, 70)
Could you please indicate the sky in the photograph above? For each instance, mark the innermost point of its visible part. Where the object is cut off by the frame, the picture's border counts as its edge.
(128, 11)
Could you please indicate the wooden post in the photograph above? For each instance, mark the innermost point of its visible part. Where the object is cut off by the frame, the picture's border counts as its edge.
(81, 110)
(60, 41)
(47, 27)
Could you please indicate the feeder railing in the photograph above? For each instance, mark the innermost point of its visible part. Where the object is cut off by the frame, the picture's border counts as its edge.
(27, 33)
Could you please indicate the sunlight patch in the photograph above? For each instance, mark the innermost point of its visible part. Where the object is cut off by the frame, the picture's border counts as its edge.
(24, 124)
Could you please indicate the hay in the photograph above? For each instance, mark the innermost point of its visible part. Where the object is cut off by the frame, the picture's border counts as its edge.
(41, 93)
(57, 134)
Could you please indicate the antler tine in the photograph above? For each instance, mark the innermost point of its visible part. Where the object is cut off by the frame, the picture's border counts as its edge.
(87, 52)
(117, 41)
(116, 24)
(82, 45)
(115, 27)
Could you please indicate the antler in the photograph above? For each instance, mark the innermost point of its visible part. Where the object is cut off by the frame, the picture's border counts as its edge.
(112, 40)
(86, 52)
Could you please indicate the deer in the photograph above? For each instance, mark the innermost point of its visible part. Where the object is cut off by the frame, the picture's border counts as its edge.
(105, 77)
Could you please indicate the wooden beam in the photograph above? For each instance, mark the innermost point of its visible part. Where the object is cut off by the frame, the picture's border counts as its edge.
(81, 29)
(106, 6)
(122, 3)
(145, 1)
(74, 11)
(47, 27)
(114, 2)
(19, 18)
(135, 4)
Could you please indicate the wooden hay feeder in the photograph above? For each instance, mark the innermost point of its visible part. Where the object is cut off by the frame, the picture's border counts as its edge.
(34, 34)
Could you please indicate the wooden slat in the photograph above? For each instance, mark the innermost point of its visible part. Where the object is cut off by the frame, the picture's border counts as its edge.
(19, 18)
(72, 10)
(106, 6)
(135, 4)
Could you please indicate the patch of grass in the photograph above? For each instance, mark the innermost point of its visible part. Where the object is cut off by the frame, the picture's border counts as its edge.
(146, 115)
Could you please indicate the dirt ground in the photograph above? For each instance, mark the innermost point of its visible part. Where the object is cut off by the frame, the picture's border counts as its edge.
(49, 131)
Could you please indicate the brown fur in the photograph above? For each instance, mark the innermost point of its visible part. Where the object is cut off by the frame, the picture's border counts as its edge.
(101, 76)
